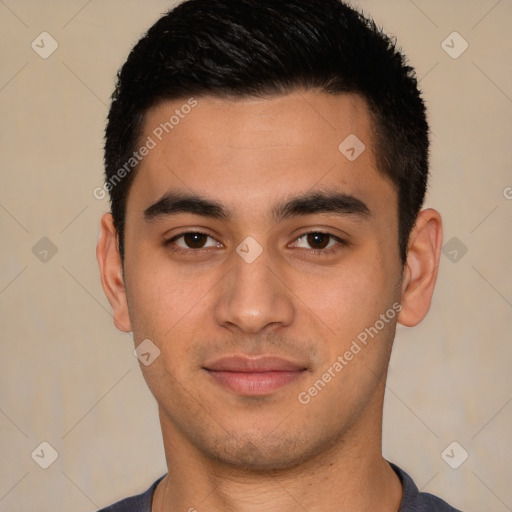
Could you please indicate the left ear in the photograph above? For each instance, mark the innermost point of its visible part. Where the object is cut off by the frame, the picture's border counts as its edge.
(421, 268)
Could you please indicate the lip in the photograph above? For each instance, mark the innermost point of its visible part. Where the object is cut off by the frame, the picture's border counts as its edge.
(253, 364)
(254, 376)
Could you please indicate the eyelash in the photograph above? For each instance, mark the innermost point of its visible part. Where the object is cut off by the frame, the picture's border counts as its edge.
(318, 252)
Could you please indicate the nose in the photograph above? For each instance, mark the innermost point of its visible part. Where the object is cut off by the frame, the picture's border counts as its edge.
(253, 297)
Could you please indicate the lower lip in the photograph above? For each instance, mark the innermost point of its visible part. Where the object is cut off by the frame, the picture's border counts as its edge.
(255, 383)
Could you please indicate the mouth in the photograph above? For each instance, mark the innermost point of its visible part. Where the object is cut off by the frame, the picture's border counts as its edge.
(254, 376)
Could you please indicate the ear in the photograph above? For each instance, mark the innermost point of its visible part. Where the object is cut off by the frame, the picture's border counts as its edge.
(111, 272)
(421, 267)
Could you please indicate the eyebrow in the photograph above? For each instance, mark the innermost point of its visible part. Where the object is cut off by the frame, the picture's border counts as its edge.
(174, 203)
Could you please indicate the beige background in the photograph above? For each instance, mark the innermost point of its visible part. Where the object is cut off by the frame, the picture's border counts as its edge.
(69, 378)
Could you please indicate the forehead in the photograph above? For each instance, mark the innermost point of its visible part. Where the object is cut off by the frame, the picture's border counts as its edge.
(244, 151)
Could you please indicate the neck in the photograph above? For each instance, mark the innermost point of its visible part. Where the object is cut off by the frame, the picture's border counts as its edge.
(349, 475)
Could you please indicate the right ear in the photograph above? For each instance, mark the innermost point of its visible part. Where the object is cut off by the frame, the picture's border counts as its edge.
(111, 272)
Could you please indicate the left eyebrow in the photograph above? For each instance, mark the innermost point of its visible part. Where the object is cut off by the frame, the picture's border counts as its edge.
(322, 202)
(174, 203)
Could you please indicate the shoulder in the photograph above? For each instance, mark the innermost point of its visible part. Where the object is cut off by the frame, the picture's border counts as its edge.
(415, 501)
(138, 503)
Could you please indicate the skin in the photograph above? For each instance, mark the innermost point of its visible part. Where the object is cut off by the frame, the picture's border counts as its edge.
(230, 452)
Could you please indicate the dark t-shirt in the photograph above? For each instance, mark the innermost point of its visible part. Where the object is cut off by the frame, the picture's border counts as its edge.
(412, 501)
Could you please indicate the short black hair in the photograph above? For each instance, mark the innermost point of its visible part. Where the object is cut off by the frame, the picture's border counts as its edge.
(263, 48)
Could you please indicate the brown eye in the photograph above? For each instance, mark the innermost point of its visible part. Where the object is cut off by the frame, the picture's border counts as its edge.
(318, 240)
(319, 244)
(195, 240)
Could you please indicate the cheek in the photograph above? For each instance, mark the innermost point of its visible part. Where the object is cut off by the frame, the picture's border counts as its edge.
(358, 341)
(351, 306)
(158, 293)
(170, 307)
(352, 297)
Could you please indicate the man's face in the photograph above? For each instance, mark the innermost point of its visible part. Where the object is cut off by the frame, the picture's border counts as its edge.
(303, 287)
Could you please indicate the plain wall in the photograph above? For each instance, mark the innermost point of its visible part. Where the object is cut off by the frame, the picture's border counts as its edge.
(69, 378)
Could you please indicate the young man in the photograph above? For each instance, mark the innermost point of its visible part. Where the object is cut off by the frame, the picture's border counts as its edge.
(267, 162)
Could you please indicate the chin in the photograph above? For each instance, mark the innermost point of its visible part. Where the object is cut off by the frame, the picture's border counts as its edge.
(257, 453)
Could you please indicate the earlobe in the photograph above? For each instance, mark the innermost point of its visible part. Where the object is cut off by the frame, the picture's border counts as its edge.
(111, 273)
(421, 268)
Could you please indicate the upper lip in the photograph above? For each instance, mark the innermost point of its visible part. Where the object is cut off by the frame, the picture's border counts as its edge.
(253, 364)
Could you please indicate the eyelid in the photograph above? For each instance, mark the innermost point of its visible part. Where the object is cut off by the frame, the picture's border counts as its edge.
(173, 239)
(326, 250)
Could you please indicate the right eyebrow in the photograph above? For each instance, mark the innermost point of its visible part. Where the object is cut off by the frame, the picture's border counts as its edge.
(173, 203)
